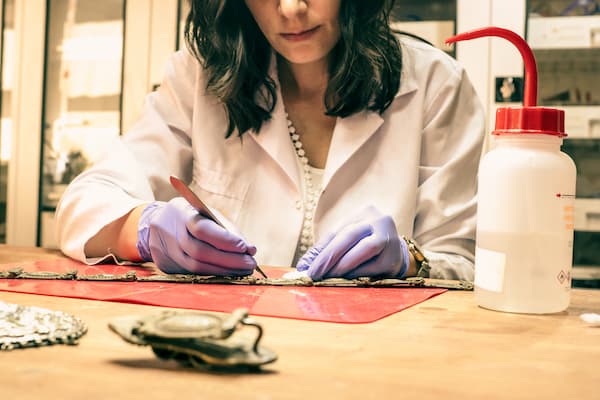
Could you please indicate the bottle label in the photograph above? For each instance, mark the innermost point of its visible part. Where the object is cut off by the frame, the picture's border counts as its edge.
(490, 274)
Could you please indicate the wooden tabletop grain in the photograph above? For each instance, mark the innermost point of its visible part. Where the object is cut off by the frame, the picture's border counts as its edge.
(444, 348)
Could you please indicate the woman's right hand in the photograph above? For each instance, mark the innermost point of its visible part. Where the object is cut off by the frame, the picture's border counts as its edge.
(181, 241)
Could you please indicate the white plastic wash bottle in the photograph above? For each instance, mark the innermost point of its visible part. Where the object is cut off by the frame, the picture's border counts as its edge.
(524, 250)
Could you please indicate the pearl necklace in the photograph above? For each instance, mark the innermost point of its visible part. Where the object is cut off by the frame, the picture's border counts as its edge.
(311, 191)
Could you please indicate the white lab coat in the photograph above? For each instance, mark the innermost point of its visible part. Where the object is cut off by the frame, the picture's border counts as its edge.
(417, 162)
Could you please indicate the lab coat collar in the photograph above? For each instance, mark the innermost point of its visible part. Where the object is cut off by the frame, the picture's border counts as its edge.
(349, 134)
(274, 136)
(408, 79)
(352, 132)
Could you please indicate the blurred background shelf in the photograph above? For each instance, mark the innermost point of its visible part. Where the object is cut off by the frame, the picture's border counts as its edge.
(434, 21)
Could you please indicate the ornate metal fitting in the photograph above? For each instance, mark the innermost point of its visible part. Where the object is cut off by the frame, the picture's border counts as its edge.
(197, 339)
(24, 326)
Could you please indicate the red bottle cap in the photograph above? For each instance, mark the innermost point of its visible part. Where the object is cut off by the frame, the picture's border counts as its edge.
(528, 119)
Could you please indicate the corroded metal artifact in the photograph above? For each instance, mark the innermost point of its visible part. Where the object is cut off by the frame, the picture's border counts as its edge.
(25, 326)
(197, 339)
(131, 276)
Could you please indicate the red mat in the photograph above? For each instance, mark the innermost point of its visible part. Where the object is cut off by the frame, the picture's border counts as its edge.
(341, 305)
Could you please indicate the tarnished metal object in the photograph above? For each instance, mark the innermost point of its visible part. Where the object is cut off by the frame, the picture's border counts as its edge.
(11, 273)
(25, 326)
(168, 278)
(196, 338)
(69, 275)
(130, 276)
(447, 284)
(304, 281)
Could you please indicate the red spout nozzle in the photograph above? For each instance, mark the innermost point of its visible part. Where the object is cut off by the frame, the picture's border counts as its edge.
(528, 119)
(530, 91)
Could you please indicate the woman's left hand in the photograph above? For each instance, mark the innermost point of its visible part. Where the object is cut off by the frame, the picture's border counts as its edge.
(367, 246)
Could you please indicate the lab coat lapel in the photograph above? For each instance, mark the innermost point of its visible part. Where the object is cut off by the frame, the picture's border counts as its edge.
(349, 135)
(275, 141)
(274, 136)
(352, 132)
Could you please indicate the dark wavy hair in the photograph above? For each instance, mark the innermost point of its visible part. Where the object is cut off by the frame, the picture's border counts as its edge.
(224, 37)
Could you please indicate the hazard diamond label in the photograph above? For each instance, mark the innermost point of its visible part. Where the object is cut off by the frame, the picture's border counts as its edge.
(562, 277)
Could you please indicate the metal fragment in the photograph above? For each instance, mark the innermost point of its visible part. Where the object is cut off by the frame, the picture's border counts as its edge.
(168, 278)
(448, 284)
(197, 339)
(129, 276)
(69, 275)
(11, 273)
(304, 281)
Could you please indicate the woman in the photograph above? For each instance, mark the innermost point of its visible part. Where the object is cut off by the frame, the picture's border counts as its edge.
(323, 140)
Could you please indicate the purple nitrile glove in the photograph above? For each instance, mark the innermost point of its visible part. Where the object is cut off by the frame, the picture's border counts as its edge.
(367, 246)
(181, 241)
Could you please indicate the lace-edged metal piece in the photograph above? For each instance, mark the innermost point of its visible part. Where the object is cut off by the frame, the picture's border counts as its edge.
(197, 339)
(26, 326)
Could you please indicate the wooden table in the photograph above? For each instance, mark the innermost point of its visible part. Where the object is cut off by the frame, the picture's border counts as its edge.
(444, 348)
